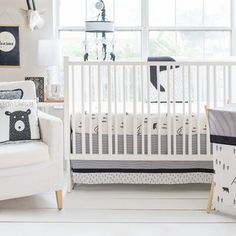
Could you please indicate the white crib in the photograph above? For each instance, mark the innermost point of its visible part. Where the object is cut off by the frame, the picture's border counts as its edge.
(114, 113)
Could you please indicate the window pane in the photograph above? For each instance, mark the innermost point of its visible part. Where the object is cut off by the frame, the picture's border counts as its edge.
(72, 13)
(162, 13)
(217, 44)
(189, 12)
(162, 43)
(209, 44)
(217, 12)
(93, 12)
(72, 43)
(190, 44)
(128, 45)
(94, 46)
(127, 12)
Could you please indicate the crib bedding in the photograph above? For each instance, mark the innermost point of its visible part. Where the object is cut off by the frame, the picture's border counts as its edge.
(142, 178)
(180, 149)
(163, 123)
(143, 125)
(87, 165)
(141, 172)
(170, 120)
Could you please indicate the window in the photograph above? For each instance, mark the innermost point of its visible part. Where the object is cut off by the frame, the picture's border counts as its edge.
(71, 13)
(196, 28)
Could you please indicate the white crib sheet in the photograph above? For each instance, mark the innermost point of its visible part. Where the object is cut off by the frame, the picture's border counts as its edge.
(157, 124)
(174, 124)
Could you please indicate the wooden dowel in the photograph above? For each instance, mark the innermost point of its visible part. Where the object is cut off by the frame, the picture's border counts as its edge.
(211, 194)
(210, 198)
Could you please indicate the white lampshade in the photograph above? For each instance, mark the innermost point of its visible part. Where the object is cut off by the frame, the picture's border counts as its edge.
(99, 26)
(48, 52)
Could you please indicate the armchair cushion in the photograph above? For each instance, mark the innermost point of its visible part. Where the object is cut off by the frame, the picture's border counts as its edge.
(22, 154)
(18, 120)
(52, 134)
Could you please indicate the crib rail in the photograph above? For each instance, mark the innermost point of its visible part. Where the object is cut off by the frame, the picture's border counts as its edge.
(139, 112)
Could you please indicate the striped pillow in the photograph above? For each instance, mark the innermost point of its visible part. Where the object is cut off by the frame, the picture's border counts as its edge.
(11, 94)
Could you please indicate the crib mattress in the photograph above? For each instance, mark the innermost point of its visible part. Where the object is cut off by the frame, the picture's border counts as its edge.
(87, 165)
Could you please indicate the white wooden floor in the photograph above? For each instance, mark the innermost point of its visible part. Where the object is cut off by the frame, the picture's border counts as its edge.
(116, 210)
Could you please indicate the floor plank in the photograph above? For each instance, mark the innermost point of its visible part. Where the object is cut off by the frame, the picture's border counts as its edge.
(112, 216)
(111, 204)
(120, 197)
(118, 229)
(144, 191)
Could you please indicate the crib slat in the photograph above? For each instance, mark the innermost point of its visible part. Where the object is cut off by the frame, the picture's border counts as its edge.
(116, 146)
(190, 109)
(168, 113)
(82, 89)
(124, 107)
(208, 85)
(90, 112)
(67, 117)
(215, 85)
(134, 111)
(224, 85)
(109, 112)
(208, 104)
(149, 112)
(184, 115)
(174, 111)
(142, 111)
(198, 114)
(99, 111)
(73, 112)
(230, 83)
(159, 111)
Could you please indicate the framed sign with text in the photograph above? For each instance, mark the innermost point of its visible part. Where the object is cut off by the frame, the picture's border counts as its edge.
(9, 46)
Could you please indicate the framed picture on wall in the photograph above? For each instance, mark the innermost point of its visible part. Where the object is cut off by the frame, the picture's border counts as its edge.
(9, 46)
(39, 85)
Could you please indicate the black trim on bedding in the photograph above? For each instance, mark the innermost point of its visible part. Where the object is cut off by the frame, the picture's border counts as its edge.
(191, 170)
(167, 102)
(223, 139)
(22, 92)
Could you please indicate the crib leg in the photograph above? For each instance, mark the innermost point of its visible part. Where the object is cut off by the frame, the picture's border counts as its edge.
(69, 184)
(69, 177)
(210, 198)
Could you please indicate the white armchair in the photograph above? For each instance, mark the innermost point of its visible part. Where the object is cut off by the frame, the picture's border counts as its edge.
(33, 167)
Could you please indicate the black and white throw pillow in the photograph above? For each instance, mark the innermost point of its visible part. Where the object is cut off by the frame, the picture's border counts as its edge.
(18, 121)
(11, 94)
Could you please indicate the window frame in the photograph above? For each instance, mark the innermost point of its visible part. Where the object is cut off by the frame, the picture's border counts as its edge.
(145, 29)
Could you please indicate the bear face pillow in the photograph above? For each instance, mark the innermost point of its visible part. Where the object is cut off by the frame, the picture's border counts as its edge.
(18, 121)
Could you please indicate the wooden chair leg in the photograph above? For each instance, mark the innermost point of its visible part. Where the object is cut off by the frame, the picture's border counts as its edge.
(210, 198)
(59, 199)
